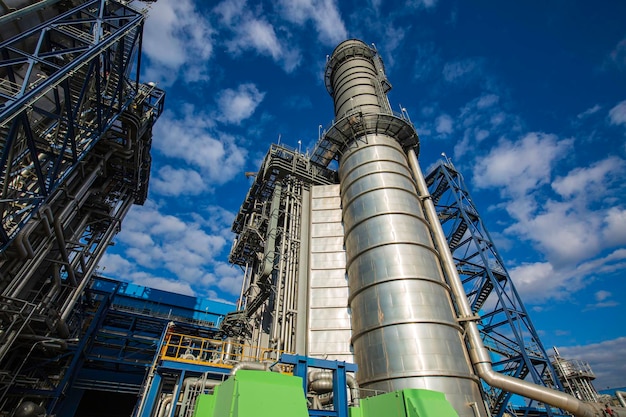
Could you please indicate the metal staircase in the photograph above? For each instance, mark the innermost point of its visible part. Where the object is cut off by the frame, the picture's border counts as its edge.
(75, 138)
(505, 326)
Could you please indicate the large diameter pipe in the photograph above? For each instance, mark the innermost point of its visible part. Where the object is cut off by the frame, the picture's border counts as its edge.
(404, 329)
(479, 355)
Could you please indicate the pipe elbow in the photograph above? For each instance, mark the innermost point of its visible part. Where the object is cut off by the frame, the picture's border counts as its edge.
(549, 396)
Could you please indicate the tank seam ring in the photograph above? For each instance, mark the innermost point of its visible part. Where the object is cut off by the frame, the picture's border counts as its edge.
(469, 377)
(359, 334)
(427, 279)
(348, 230)
(386, 171)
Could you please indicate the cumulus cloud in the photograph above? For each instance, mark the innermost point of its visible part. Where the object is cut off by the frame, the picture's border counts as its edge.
(584, 180)
(118, 267)
(568, 216)
(177, 41)
(174, 182)
(249, 31)
(617, 115)
(479, 119)
(573, 219)
(521, 165)
(238, 105)
(607, 360)
(193, 139)
(324, 14)
(443, 124)
(538, 282)
(173, 253)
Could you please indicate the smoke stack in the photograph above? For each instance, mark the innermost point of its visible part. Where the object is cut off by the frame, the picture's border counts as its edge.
(404, 327)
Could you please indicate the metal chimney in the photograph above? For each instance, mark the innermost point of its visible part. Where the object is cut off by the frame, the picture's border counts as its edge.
(405, 330)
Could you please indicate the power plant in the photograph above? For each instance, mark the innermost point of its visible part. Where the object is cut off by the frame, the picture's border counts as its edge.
(369, 289)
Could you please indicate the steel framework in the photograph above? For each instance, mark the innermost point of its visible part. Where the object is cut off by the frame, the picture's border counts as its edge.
(75, 139)
(506, 326)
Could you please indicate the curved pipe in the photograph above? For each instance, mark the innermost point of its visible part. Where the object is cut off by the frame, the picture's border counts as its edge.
(252, 366)
(165, 405)
(478, 353)
(322, 382)
(60, 236)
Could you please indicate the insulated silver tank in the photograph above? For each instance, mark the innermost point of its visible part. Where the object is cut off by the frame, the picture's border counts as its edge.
(404, 329)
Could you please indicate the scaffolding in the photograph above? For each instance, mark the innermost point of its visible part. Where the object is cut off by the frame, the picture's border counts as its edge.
(576, 376)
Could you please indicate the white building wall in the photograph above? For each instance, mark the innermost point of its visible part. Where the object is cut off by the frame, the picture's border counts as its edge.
(329, 328)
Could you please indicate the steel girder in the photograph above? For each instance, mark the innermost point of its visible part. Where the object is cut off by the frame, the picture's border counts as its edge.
(63, 84)
(75, 138)
(505, 324)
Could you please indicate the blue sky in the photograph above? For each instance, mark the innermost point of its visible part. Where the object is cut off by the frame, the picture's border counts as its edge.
(527, 98)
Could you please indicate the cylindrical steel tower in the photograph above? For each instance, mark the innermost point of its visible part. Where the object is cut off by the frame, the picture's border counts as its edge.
(405, 331)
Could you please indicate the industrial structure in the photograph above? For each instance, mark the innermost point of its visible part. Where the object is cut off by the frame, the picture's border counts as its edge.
(367, 286)
(75, 138)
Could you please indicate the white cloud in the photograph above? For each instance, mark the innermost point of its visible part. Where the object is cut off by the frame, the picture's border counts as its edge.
(230, 278)
(607, 360)
(522, 165)
(592, 110)
(250, 31)
(617, 115)
(427, 60)
(112, 263)
(539, 282)
(557, 223)
(164, 284)
(175, 182)
(180, 253)
(177, 40)
(618, 55)
(614, 230)
(443, 124)
(479, 119)
(324, 14)
(238, 105)
(602, 295)
(193, 140)
(583, 180)
(452, 71)
(487, 100)
(427, 4)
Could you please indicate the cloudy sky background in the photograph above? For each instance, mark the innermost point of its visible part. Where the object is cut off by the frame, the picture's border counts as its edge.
(528, 100)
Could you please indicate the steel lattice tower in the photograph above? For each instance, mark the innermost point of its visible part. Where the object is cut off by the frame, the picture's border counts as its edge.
(75, 138)
(506, 326)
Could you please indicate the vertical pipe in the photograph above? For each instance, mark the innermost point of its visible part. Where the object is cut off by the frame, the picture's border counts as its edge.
(479, 355)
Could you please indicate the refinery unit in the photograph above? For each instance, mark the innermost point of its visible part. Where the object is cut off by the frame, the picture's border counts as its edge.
(370, 290)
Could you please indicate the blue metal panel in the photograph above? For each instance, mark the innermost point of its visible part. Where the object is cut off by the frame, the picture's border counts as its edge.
(339, 370)
(151, 396)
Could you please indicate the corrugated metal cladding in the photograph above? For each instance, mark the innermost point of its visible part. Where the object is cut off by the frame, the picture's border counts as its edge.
(329, 330)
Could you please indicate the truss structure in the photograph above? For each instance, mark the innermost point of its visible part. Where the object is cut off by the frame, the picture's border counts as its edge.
(506, 326)
(75, 139)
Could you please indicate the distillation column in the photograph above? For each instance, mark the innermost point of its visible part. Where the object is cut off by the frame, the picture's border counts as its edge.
(405, 331)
